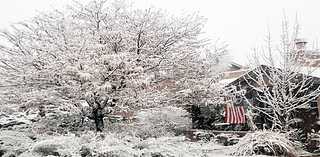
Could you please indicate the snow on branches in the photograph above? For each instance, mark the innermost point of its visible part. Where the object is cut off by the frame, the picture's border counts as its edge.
(107, 54)
(283, 85)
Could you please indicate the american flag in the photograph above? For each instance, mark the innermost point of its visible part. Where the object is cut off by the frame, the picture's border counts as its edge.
(234, 115)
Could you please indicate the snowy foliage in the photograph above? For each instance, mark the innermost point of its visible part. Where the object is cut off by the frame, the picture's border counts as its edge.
(129, 142)
(91, 144)
(112, 56)
(13, 143)
(267, 143)
(166, 121)
(61, 136)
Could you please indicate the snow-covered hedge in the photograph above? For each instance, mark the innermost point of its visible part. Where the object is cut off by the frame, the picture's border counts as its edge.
(265, 142)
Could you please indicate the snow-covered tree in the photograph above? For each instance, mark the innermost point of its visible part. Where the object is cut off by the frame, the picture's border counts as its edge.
(285, 84)
(107, 54)
(201, 87)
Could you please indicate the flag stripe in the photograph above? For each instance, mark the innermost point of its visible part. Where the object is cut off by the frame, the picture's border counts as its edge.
(243, 119)
(237, 114)
(234, 115)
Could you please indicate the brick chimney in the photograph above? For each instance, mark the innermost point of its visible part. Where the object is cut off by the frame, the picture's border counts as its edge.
(301, 43)
(303, 56)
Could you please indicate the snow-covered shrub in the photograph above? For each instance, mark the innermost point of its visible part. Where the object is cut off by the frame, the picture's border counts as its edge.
(208, 116)
(165, 121)
(227, 139)
(57, 146)
(16, 121)
(13, 143)
(203, 136)
(62, 124)
(154, 123)
(126, 145)
(265, 142)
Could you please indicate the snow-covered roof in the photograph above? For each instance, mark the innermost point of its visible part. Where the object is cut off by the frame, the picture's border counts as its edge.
(301, 40)
(315, 71)
(232, 76)
(227, 81)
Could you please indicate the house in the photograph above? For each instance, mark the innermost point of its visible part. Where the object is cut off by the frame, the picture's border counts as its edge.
(246, 82)
(307, 118)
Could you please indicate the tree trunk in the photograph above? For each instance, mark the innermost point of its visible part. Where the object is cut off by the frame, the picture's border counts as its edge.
(98, 118)
(97, 114)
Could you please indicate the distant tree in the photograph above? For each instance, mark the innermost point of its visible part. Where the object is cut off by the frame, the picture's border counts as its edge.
(110, 55)
(285, 84)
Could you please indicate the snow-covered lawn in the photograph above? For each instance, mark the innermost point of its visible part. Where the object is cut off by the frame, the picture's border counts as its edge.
(20, 136)
(104, 144)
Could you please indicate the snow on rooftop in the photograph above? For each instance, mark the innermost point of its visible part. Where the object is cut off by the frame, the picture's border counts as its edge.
(301, 40)
(315, 72)
(227, 81)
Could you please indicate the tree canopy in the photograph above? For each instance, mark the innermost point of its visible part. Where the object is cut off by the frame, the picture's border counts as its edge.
(109, 54)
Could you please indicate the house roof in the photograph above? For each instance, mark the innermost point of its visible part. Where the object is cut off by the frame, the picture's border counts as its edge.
(315, 73)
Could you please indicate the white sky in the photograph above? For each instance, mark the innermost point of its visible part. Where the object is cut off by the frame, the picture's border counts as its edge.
(242, 24)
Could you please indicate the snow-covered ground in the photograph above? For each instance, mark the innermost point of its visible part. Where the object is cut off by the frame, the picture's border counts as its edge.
(25, 135)
(90, 143)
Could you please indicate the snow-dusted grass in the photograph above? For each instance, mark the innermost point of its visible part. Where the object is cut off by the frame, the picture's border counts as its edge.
(155, 134)
(107, 144)
(124, 144)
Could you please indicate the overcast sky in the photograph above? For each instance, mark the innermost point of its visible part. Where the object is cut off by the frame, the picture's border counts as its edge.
(242, 24)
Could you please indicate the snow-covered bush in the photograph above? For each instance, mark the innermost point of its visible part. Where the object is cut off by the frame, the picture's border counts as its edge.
(265, 142)
(204, 136)
(228, 139)
(165, 121)
(57, 146)
(13, 143)
(154, 123)
(62, 124)
(111, 144)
